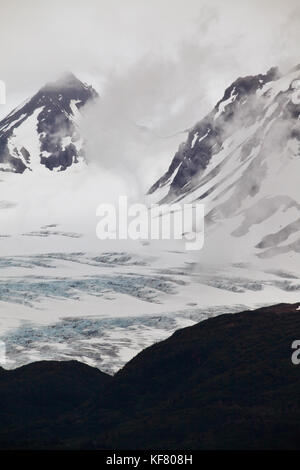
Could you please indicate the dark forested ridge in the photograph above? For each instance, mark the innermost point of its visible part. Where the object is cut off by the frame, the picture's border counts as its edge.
(225, 383)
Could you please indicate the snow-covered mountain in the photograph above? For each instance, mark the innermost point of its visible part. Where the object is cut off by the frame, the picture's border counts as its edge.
(66, 294)
(43, 131)
(243, 162)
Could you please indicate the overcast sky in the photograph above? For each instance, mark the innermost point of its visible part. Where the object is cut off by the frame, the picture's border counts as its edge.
(159, 65)
(205, 44)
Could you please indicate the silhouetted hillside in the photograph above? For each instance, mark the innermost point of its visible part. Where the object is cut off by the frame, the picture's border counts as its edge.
(227, 382)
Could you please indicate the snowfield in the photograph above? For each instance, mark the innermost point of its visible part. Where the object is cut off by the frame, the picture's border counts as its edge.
(103, 307)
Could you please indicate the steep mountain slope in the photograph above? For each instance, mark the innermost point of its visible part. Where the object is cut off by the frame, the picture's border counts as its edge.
(43, 131)
(243, 162)
(225, 383)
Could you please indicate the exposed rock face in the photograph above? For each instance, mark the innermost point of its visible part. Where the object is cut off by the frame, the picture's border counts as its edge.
(43, 131)
(206, 138)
